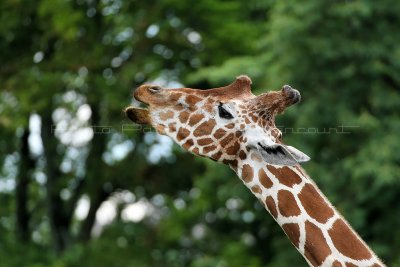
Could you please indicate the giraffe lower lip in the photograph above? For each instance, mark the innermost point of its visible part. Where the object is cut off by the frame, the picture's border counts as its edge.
(138, 115)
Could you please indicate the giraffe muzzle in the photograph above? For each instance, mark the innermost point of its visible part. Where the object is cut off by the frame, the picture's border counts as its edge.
(144, 94)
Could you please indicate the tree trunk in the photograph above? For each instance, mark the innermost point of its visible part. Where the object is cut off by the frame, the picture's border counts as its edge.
(95, 175)
(59, 224)
(27, 164)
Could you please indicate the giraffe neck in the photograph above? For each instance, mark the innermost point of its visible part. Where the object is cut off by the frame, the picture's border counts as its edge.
(310, 221)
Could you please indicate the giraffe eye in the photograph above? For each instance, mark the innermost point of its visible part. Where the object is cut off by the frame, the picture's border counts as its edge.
(223, 113)
(155, 89)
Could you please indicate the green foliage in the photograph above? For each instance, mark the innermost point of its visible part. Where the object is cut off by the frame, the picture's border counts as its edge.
(60, 57)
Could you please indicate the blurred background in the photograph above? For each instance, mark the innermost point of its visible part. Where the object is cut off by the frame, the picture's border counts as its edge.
(82, 186)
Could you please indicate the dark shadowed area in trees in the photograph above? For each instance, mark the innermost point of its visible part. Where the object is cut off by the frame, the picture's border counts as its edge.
(82, 186)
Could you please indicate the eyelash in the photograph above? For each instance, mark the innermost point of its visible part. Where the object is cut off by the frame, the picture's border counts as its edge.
(223, 113)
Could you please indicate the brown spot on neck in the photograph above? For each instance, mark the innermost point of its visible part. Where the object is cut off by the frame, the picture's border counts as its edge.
(315, 249)
(195, 118)
(264, 179)
(292, 230)
(315, 204)
(287, 204)
(238, 134)
(247, 173)
(256, 189)
(182, 134)
(233, 149)
(161, 128)
(269, 201)
(285, 175)
(204, 141)
(210, 103)
(172, 127)
(174, 96)
(230, 125)
(192, 100)
(347, 243)
(208, 149)
(205, 128)
(188, 144)
(242, 155)
(183, 117)
(179, 107)
(299, 169)
(231, 163)
(217, 155)
(166, 115)
(219, 133)
(195, 150)
(224, 142)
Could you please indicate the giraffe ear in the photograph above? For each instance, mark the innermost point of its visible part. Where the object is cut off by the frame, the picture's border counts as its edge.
(281, 155)
(297, 154)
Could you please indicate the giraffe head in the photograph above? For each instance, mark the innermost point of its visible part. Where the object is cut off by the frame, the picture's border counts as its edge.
(226, 124)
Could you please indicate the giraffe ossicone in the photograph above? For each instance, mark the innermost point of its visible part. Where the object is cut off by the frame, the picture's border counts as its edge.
(233, 126)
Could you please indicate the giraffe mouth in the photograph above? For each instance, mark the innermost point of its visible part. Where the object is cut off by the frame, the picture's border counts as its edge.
(138, 115)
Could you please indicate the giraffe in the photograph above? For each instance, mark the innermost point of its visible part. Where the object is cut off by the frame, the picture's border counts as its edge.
(233, 126)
